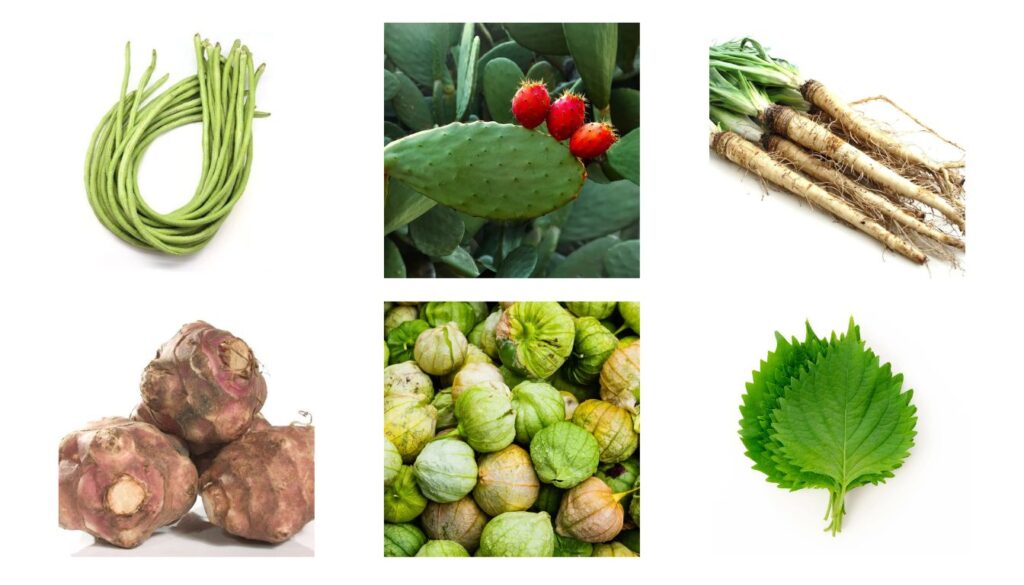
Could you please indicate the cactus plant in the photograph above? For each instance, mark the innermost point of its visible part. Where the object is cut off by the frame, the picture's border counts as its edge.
(470, 192)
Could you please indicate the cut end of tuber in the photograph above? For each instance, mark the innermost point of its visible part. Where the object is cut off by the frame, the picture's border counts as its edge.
(236, 357)
(125, 496)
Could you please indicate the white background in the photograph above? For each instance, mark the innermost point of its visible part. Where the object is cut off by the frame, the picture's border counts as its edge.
(296, 272)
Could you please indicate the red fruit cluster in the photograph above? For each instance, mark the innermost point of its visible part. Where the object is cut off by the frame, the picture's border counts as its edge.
(592, 140)
(566, 115)
(531, 103)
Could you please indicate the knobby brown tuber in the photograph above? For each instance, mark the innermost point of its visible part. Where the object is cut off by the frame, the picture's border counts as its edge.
(205, 459)
(120, 480)
(260, 487)
(203, 386)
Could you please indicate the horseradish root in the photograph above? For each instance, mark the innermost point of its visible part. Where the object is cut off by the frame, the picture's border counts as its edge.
(121, 480)
(745, 154)
(809, 134)
(857, 125)
(824, 173)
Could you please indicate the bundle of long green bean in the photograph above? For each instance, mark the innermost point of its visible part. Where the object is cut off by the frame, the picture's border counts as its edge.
(221, 96)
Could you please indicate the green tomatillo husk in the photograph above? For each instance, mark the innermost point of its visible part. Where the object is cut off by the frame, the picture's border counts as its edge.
(401, 341)
(536, 405)
(611, 425)
(612, 549)
(461, 521)
(485, 417)
(398, 315)
(409, 423)
(518, 534)
(590, 512)
(564, 454)
(403, 501)
(442, 548)
(407, 378)
(441, 350)
(446, 470)
(620, 377)
(392, 462)
(535, 338)
(506, 482)
(402, 540)
(477, 373)
(596, 309)
(592, 347)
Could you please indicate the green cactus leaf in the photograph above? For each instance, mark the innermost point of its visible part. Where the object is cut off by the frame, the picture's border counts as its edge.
(629, 44)
(554, 263)
(437, 232)
(489, 240)
(409, 105)
(546, 72)
(486, 169)
(519, 263)
(610, 173)
(587, 261)
(511, 50)
(394, 266)
(461, 262)
(403, 205)
(623, 260)
(624, 156)
(467, 69)
(545, 38)
(512, 236)
(443, 102)
(546, 248)
(487, 262)
(393, 131)
(593, 47)
(574, 85)
(455, 32)
(390, 85)
(625, 106)
(501, 81)
(557, 217)
(602, 209)
(631, 232)
(595, 172)
(473, 225)
(416, 48)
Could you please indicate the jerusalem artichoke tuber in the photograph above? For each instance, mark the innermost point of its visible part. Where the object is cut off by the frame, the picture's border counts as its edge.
(203, 386)
(204, 459)
(260, 487)
(121, 480)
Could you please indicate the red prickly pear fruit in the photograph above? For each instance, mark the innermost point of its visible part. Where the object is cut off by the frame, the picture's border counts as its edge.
(566, 115)
(531, 103)
(592, 140)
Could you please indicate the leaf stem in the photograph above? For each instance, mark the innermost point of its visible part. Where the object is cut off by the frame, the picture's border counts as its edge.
(836, 509)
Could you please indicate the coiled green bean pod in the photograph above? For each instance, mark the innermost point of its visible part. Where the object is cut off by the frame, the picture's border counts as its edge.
(222, 96)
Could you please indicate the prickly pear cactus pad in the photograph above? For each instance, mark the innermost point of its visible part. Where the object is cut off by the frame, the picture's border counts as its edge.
(487, 171)
(483, 459)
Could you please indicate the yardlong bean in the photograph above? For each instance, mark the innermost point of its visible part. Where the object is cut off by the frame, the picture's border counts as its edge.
(222, 96)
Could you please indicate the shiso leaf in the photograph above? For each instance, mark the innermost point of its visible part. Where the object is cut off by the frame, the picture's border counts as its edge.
(762, 397)
(845, 420)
